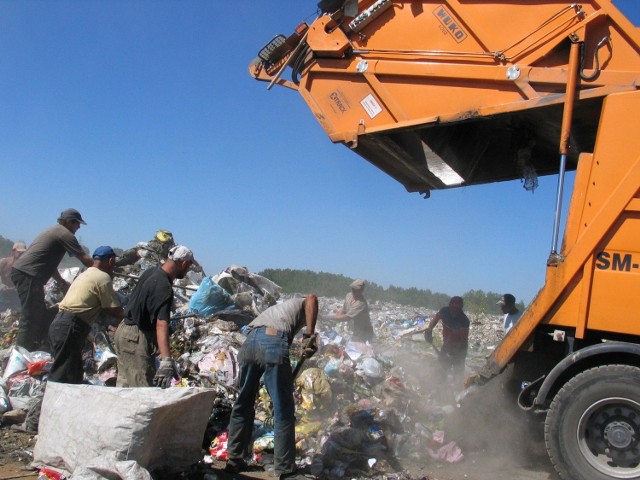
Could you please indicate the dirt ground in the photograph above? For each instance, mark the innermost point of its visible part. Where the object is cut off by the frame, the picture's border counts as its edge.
(499, 442)
(16, 453)
(482, 464)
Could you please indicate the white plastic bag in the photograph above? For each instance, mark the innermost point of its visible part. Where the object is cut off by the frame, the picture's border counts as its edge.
(159, 429)
(19, 360)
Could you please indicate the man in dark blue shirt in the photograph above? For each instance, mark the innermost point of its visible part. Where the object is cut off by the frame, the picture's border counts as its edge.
(455, 336)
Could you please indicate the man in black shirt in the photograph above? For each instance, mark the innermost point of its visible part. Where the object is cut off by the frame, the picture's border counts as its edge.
(143, 334)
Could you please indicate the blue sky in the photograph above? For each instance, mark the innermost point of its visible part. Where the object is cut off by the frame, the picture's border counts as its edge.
(141, 114)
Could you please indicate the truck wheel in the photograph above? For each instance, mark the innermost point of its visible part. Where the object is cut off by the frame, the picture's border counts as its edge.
(592, 429)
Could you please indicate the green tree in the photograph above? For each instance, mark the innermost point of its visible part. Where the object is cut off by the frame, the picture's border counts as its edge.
(5, 247)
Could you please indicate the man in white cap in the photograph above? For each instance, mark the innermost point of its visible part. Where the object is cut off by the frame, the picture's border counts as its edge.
(8, 294)
(143, 334)
(356, 308)
(511, 313)
(36, 266)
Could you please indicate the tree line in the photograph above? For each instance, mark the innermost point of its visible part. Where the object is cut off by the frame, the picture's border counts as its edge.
(335, 285)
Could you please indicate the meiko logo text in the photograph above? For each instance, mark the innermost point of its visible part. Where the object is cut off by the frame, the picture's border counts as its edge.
(336, 99)
(450, 24)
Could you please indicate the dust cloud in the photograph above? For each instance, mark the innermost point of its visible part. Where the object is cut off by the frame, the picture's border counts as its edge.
(495, 435)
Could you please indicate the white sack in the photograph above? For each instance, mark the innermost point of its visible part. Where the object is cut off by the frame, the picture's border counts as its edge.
(154, 427)
(108, 467)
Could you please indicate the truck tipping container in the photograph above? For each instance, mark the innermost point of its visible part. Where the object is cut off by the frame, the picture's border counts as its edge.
(451, 93)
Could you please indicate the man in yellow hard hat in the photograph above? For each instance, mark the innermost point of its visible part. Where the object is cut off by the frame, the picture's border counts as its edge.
(155, 250)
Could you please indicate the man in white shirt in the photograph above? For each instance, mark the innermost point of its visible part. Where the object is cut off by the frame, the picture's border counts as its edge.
(511, 313)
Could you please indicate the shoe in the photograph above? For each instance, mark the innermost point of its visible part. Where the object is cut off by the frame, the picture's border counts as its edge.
(235, 466)
(22, 427)
(270, 470)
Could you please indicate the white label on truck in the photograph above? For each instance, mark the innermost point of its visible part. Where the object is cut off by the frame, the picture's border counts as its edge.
(370, 104)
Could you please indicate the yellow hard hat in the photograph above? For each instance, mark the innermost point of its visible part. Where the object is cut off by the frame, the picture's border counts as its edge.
(164, 236)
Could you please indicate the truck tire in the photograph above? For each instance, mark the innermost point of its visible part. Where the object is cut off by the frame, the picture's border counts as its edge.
(592, 429)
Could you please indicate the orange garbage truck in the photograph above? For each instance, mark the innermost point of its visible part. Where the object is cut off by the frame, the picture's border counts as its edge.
(449, 93)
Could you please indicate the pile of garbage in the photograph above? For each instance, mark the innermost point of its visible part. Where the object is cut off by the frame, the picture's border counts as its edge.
(361, 409)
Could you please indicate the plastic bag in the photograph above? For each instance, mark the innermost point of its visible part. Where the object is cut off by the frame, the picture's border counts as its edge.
(220, 366)
(19, 360)
(266, 442)
(5, 404)
(218, 448)
(313, 385)
(50, 474)
(40, 367)
(370, 367)
(159, 429)
(210, 298)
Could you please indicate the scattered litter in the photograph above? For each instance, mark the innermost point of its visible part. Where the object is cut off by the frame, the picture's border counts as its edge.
(361, 408)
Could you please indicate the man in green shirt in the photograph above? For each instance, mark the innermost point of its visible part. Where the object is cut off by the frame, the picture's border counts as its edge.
(36, 266)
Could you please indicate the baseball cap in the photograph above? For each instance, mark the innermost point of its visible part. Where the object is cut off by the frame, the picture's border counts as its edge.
(19, 247)
(103, 252)
(357, 284)
(507, 299)
(180, 253)
(72, 214)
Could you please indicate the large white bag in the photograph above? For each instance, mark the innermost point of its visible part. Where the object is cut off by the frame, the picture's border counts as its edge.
(159, 429)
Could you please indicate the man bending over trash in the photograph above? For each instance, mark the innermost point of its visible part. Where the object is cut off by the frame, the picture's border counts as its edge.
(266, 352)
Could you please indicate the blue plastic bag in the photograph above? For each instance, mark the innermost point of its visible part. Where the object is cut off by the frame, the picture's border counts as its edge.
(210, 298)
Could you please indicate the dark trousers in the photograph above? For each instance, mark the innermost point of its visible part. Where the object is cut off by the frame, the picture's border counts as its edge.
(453, 360)
(268, 355)
(362, 331)
(67, 335)
(33, 318)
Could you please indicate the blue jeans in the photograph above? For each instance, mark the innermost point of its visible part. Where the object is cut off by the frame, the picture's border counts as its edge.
(265, 355)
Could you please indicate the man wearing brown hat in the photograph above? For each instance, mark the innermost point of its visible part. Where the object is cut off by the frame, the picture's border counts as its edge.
(356, 308)
(143, 334)
(8, 294)
(36, 266)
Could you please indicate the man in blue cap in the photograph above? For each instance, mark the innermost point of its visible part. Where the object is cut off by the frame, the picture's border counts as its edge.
(36, 266)
(90, 295)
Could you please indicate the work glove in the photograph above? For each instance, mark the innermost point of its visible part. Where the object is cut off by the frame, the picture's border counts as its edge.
(309, 347)
(428, 335)
(166, 371)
